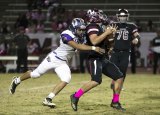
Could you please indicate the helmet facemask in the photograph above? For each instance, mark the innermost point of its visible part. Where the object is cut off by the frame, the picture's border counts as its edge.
(122, 15)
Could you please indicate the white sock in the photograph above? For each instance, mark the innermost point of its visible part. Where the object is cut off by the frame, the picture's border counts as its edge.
(51, 95)
(17, 80)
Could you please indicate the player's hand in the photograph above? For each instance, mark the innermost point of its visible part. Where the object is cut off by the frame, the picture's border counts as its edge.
(135, 41)
(100, 50)
(110, 51)
(111, 29)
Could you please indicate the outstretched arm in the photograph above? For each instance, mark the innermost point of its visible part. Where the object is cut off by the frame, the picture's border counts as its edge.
(85, 47)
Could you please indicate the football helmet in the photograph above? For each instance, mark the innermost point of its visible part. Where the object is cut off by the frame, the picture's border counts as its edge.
(122, 15)
(78, 23)
(96, 16)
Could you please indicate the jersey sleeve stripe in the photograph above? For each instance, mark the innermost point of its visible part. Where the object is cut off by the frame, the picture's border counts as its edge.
(67, 36)
(93, 29)
(135, 30)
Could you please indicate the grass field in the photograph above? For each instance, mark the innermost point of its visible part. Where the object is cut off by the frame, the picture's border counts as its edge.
(140, 97)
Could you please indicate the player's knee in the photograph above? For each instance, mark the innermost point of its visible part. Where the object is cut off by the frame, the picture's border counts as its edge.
(34, 74)
(66, 79)
(99, 81)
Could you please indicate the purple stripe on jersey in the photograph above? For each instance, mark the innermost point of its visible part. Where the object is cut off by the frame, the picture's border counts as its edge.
(66, 38)
(54, 52)
(58, 57)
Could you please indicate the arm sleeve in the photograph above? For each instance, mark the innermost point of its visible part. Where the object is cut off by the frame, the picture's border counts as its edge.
(66, 38)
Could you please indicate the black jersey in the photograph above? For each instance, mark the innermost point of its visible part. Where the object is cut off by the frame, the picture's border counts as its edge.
(124, 36)
(94, 28)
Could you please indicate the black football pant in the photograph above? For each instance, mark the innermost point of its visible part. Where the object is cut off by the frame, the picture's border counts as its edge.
(121, 60)
(22, 55)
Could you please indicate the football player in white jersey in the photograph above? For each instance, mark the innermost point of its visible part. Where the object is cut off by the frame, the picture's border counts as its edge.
(58, 60)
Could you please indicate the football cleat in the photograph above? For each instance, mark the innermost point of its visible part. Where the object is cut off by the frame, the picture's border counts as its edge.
(48, 102)
(117, 105)
(74, 102)
(13, 86)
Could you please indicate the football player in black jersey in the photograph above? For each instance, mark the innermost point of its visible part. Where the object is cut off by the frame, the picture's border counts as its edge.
(98, 64)
(125, 36)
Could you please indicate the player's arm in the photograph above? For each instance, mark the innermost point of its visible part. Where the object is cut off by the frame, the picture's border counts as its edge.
(85, 47)
(95, 39)
(136, 38)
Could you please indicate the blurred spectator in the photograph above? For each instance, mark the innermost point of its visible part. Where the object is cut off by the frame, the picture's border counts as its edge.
(40, 27)
(11, 48)
(54, 25)
(32, 28)
(2, 67)
(29, 14)
(3, 51)
(150, 26)
(52, 7)
(33, 48)
(156, 51)
(21, 40)
(3, 45)
(21, 21)
(38, 15)
(47, 45)
(61, 26)
(62, 21)
(4, 29)
(139, 26)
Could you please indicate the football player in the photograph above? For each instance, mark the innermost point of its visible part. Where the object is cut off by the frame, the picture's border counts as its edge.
(71, 39)
(98, 64)
(125, 36)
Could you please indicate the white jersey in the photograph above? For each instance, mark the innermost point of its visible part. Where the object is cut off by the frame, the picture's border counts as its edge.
(64, 51)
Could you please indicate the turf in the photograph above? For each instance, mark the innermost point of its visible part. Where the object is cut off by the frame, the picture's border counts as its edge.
(141, 96)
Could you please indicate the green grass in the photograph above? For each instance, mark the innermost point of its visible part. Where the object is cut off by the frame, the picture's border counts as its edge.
(140, 97)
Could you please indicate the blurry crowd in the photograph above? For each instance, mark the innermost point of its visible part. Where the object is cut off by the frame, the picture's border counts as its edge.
(57, 17)
(35, 20)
